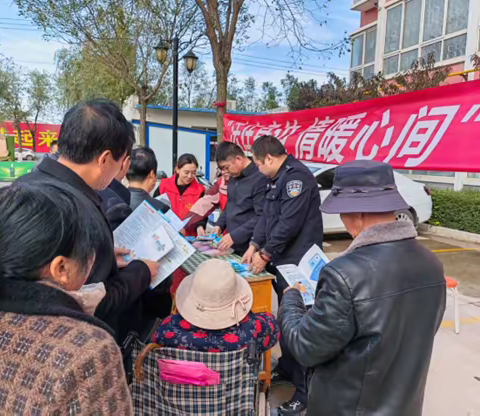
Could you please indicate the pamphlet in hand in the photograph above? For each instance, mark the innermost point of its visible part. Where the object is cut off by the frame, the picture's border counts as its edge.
(209, 237)
(144, 234)
(149, 235)
(165, 199)
(306, 273)
(209, 249)
(240, 268)
(174, 221)
(182, 250)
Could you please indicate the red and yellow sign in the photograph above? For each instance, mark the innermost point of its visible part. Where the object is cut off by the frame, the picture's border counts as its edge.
(44, 135)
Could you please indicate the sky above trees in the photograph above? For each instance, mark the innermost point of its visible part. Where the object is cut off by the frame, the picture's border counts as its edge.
(21, 40)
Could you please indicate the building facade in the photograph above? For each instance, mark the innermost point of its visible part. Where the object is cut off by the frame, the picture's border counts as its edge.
(394, 33)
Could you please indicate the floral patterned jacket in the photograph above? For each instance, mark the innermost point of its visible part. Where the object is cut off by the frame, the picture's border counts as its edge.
(175, 332)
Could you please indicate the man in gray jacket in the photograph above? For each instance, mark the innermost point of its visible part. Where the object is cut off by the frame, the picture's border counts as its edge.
(368, 338)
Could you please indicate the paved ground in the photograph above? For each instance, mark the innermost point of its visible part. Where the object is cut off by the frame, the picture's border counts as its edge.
(453, 385)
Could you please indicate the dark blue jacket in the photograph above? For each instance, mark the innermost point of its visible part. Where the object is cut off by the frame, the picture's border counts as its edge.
(291, 221)
(245, 200)
(115, 203)
(137, 196)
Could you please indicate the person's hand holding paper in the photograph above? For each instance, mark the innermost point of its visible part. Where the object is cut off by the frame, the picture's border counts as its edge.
(225, 243)
(304, 277)
(298, 286)
(154, 240)
(217, 230)
(153, 266)
(122, 255)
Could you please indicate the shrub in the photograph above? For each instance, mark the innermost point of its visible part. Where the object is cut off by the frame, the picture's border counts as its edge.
(457, 210)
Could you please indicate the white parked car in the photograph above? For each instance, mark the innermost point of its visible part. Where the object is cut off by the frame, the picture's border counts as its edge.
(415, 194)
(27, 154)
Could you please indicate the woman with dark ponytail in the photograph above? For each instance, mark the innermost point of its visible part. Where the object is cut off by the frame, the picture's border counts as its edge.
(55, 358)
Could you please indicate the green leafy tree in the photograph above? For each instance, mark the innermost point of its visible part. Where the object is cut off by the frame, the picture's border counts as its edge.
(41, 96)
(271, 97)
(235, 90)
(250, 96)
(80, 76)
(12, 95)
(196, 88)
(207, 94)
(291, 91)
(121, 35)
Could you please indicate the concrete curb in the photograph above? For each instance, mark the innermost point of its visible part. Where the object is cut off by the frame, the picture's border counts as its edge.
(450, 233)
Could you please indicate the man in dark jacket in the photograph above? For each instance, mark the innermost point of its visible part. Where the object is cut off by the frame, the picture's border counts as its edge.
(290, 225)
(291, 222)
(116, 198)
(245, 198)
(142, 177)
(369, 336)
(95, 138)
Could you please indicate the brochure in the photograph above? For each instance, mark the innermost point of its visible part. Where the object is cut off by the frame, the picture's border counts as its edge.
(209, 249)
(182, 250)
(240, 268)
(176, 222)
(144, 234)
(306, 273)
(165, 199)
(209, 237)
(149, 235)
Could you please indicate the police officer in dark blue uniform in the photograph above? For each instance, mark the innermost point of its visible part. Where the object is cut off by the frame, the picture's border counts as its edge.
(290, 225)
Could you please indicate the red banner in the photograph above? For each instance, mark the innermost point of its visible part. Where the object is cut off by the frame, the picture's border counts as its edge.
(44, 135)
(433, 129)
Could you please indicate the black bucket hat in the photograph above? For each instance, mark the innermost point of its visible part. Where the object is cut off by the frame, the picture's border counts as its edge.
(364, 186)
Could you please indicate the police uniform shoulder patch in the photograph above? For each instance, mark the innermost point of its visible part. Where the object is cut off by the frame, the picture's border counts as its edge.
(294, 188)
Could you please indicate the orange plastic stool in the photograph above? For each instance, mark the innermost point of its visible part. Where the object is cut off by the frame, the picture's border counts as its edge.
(452, 284)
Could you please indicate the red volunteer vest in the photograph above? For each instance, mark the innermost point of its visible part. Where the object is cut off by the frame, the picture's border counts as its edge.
(181, 204)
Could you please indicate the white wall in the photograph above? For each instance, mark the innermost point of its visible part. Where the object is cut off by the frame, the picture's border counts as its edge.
(160, 141)
(188, 119)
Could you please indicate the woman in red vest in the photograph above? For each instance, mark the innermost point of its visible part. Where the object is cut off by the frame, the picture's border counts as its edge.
(182, 189)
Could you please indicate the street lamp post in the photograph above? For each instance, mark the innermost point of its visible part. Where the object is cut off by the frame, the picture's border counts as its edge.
(190, 63)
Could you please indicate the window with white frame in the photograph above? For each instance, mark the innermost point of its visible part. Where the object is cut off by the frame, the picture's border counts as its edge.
(421, 27)
(363, 53)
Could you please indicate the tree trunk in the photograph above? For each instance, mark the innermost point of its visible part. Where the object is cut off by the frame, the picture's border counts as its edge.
(35, 131)
(222, 77)
(143, 121)
(19, 135)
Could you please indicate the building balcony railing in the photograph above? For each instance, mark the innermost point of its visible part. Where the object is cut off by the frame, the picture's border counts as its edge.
(363, 5)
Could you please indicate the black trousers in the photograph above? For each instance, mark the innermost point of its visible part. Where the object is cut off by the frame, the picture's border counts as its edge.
(142, 314)
(287, 365)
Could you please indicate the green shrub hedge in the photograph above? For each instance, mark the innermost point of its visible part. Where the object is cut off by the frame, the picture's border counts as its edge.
(457, 210)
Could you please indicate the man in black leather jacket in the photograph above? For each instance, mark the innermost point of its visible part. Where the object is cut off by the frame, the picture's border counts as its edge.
(368, 338)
